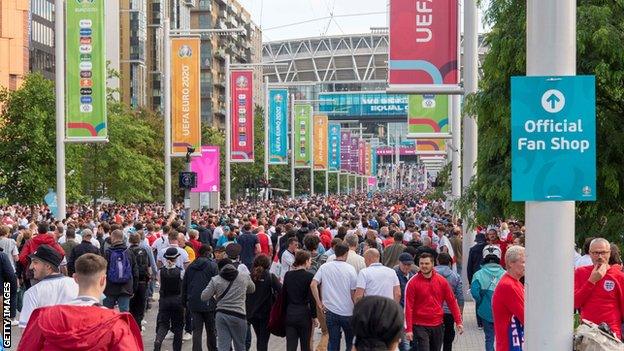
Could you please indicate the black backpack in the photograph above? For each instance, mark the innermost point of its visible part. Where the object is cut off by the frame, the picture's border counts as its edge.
(142, 261)
(170, 281)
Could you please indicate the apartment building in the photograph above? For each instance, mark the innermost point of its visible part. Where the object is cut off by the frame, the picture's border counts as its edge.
(13, 42)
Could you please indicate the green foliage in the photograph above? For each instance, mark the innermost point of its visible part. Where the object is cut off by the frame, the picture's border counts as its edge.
(600, 33)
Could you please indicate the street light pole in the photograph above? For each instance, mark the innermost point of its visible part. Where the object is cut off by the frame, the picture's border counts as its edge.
(266, 136)
(292, 146)
(228, 135)
(167, 114)
(59, 38)
(551, 51)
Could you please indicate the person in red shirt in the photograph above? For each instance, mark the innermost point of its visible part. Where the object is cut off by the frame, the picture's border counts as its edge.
(599, 288)
(193, 240)
(152, 235)
(83, 324)
(494, 239)
(425, 294)
(264, 240)
(508, 300)
(43, 237)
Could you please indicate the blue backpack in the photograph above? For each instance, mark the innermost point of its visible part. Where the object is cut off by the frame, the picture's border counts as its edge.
(119, 267)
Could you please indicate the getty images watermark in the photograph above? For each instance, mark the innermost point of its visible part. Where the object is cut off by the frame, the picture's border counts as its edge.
(6, 315)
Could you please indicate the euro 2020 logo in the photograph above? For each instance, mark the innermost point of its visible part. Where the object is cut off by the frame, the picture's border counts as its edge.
(278, 98)
(241, 82)
(185, 51)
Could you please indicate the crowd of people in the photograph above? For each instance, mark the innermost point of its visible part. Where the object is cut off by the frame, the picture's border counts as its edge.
(375, 271)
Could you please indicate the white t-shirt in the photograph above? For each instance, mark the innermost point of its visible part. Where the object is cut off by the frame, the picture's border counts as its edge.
(180, 261)
(378, 280)
(9, 247)
(444, 241)
(583, 261)
(338, 280)
(51, 291)
(160, 245)
(288, 259)
(353, 259)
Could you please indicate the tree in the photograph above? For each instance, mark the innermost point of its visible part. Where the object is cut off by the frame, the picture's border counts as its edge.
(600, 42)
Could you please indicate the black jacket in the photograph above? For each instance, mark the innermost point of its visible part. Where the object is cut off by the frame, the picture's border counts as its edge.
(7, 274)
(258, 304)
(83, 248)
(130, 286)
(205, 235)
(196, 278)
(475, 257)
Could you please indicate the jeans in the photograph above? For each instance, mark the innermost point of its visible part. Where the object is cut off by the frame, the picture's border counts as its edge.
(404, 344)
(123, 301)
(137, 303)
(230, 329)
(262, 334)
(203, 320)
(170, 317)
(428, 338)
(449, 332)
(335, 323)
(488, 328)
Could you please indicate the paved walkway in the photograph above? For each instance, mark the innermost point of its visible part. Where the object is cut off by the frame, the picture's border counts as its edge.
(471, 340)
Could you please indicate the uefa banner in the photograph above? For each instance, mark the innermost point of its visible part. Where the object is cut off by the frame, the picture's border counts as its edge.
(362, 157)
(185, 100)
(355, 154)
(334, 146)
(241, 112)
(424, 42)
(207, 168)
(278, 126)
(85, 72)
(431, 147)
(303, 140)
(428, 116)
(367, 160)
(374, 161)
(320, 142)
(345, 150)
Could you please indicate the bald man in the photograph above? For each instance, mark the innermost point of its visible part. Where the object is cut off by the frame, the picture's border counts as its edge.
(599, 288)
(377, 279)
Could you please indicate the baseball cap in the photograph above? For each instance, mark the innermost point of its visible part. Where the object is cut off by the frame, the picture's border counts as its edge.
(47, 254)
(492, 250)
(406, 258)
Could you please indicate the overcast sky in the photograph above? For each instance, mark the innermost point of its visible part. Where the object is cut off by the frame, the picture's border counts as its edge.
(281, 19)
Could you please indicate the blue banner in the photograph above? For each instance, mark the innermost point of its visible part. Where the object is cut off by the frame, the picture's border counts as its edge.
(345, 106)
(374, 161)
(553, 138)
(334, 147)
(278, 126)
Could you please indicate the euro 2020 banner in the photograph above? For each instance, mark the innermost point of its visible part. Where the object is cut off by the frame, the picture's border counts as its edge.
(303, 140)
(345, 151)
(241, 112)
(334, 147)
(86, 72)
(428, 116)
(320, 142)
(278, 126)
(423, 42)
(185, 97)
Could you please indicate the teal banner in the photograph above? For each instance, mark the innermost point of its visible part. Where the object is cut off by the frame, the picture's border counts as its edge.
(553, 138)
(334, 147)
(278, 126)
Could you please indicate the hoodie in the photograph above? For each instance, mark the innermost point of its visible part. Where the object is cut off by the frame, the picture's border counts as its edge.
(80, 328)
(196, 278)
(33, 244)
(233, 301)
(482, 288)
(475, 256)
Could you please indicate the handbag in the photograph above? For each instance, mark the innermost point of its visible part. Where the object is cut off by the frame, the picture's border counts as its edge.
(277, 317)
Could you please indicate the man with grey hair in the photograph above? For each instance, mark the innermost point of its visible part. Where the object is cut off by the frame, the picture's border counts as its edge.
(85, 246)
(599, 288)
(508, 301)
(353, 258)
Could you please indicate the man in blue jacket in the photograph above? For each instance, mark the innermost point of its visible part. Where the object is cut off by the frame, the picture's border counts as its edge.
(482, 288)
(196, 278)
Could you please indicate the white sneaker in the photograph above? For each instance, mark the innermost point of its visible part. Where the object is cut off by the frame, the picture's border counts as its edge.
(187, 336)
(143, 322)
(169, 335)
(142, 328)
(14, 322)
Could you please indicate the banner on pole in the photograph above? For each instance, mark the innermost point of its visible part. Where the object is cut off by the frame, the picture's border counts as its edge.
(208, 171)
(431, 147)
(367, 160)
(85, 86)
(361, 157)
(278, 126)
(320, 142)
(428, 116)
(374, 161)
(355, 153)
(334, 140)
(345, 150)
(241, 112)
(424, 42)
(185, 100)
(303, 141)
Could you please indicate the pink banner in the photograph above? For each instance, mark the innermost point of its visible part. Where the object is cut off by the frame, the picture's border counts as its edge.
(423, 42)
(241, 85)
(372, 182)
(207, 168)
(403, 150)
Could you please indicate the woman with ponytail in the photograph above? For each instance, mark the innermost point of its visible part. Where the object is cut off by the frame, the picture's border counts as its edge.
(299, 304)
(259, 303)
(377, 324)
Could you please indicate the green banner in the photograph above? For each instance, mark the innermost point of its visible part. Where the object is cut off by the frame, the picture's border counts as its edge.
(428, 114)
(85, 71)
(303, 140)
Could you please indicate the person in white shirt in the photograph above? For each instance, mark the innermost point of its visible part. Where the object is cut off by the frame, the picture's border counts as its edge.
(338, 283)
(288, 256)
(182, 260)
(353, 258)
(8, 245)
(377, 279)
(444, 241)
(53, 287)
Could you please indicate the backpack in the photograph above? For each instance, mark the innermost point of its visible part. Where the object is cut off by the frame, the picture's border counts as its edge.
(119, 267)
(590, 337)
(142, 262)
